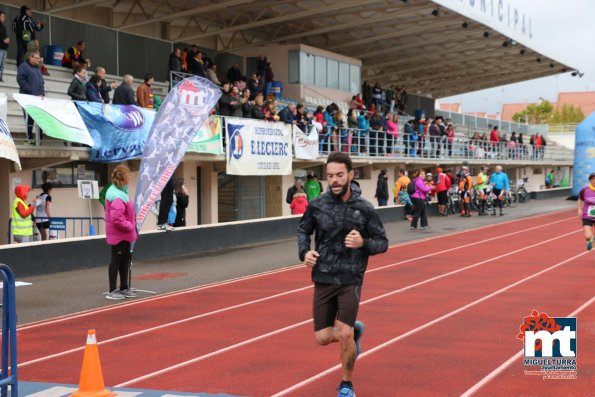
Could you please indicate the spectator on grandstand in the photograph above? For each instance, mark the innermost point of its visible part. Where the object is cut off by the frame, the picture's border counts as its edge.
(344, 135)
(375, 133)
(450, 138)
(225, 100)
(400, 194)
(494, 139)
(330, 133)
(377, 95)
(501, 185)
(22, 220)
(30, 82)
(234, 73)
(24, 27)
(269, 77)
(401, 98)
(270, 111)
(195, 62)
(4, 44)
(258, 108)
(124, 94)
(74, 56)
(301, 118)
(392, 131)
(586, 210)
(434, 136)
(182, 200)
(144, 93)
(288, 114)
(442, 187)
(352, 125)
(389, 97)
(43, 201)
(175, 62)
(363, 130)
(299, 203)
(532, 144)
(312, 187)
(104, 88)
(241, 83)
(261, 69)
(367, 94)
(212, 74)
(248, 104)
(254, 85)
(541, 147)
(319, 115)
(119, 232)
(297, 184)
(77, 90)
(381, 193)
(92, 89)
(237, 101)
(421, 189)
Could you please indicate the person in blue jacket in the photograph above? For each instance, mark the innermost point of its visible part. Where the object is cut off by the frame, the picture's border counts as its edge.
(501, 185)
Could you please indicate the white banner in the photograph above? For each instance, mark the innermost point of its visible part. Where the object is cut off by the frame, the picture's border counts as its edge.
(306, 146)
(256, 147)
(7, 148)
(57, 118)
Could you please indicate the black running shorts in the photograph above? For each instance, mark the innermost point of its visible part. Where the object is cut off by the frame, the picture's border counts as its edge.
(442, 197)
(335, 302)
(588, 222)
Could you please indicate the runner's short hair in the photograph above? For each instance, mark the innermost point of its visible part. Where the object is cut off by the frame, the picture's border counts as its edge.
(341, 158)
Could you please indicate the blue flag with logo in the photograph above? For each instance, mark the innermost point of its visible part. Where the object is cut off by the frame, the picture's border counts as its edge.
(183, 111)
(119, 132)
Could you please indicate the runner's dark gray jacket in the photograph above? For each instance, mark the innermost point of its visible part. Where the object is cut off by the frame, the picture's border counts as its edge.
(332, 219)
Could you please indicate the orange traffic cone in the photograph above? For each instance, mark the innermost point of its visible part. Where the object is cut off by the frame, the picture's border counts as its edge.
(91, 384)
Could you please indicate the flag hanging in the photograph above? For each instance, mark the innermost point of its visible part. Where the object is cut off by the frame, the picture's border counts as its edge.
(181, 114)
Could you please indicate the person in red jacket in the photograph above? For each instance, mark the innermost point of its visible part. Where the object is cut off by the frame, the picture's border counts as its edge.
(442, 187)
(299, 203)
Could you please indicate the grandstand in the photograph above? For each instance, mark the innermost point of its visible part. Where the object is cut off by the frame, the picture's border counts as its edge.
(394, 42)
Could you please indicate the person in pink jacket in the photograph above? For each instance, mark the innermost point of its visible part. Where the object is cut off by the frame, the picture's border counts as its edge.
(422, 188)
(299, 203)
(120, 232)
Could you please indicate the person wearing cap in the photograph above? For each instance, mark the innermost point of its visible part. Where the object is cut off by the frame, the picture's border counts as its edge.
(22, 221)
(586, 210)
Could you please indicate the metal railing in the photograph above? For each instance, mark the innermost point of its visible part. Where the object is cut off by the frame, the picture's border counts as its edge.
(65, 227)
(176, 77)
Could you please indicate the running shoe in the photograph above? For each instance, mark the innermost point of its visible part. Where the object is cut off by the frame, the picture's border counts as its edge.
(590, 245)
(128, 293)
(166, 227)
(115, 295)
(358, 331)
(345, 391)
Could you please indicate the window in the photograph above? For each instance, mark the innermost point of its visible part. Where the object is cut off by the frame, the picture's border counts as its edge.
(66, 175)
(332, 72)
(344, 76)
(306, 68)
(354, 79)
(320, 71)
(294, 67)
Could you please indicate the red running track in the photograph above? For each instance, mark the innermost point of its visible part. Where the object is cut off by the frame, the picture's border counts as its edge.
(441, 316)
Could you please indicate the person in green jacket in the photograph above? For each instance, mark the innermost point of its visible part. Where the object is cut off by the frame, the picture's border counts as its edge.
(312, 188)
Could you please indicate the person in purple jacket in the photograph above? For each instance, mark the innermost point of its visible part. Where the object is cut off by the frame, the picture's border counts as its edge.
(120, 232)
(586, 209)
(422, 188)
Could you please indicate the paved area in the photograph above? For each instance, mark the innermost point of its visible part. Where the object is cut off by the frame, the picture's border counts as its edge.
(68, 292)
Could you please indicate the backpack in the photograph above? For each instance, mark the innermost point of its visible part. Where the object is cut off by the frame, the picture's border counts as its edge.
(411, 188)
(15, 24)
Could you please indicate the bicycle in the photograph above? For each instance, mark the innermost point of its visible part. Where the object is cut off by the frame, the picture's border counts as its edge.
(453, 198)
(522, 195)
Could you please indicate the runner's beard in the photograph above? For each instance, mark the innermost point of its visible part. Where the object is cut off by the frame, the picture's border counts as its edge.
(343, 192)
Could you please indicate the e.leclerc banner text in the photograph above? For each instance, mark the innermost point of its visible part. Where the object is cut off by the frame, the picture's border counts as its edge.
(119, 132)
(57, 118)
(181, 114)
(256, 147)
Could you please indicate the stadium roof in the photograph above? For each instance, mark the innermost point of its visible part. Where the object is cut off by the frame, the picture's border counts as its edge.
(430, 49)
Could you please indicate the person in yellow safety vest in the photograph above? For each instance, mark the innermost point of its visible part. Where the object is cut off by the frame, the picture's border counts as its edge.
(22, 221)
(482, 183)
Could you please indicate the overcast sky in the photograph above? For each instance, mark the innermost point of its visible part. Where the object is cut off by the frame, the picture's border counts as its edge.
(564, 30)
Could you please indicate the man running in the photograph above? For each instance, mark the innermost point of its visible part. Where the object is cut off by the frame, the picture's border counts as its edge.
(586, 210)
(482, 185)
(348, 230)
(501, 185)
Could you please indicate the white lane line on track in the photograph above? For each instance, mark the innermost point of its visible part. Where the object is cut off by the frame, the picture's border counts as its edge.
(424, 326)
(514, 358)
(192, 318)
(188, 319)
(278, 331)
(267, 273)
